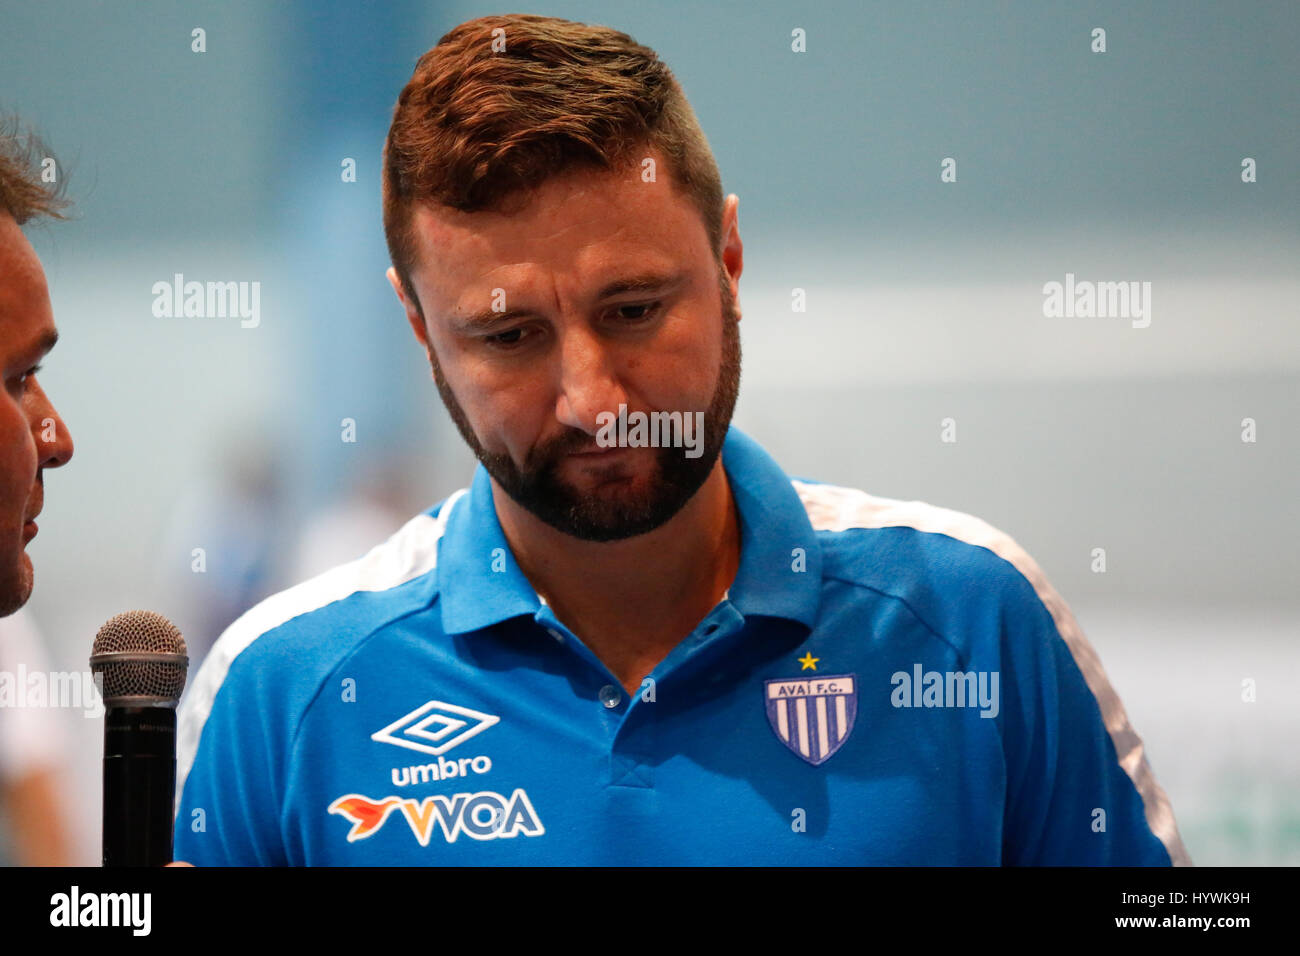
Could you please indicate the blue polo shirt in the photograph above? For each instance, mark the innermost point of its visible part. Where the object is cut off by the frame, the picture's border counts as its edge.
(885, 682)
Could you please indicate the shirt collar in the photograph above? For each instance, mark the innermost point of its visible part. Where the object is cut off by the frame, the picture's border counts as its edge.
(780, 571)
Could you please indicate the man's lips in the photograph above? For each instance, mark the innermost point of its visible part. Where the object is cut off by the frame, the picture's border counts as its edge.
(598, 453)
(29, 526)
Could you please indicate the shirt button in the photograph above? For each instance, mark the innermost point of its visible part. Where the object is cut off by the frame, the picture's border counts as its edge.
(609, 696)
(555, 634)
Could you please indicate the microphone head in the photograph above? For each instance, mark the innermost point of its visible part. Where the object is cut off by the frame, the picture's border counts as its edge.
(139, 660)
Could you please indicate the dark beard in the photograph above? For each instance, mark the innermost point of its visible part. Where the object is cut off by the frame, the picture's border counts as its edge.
(592, 517)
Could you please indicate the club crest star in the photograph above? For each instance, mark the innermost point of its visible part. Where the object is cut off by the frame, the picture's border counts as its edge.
(809, 662)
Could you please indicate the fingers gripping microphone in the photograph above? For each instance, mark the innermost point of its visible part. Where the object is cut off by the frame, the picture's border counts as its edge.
(139, 662)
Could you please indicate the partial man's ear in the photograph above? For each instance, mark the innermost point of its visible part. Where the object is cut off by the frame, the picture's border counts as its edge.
(733, 250)
(412, 314)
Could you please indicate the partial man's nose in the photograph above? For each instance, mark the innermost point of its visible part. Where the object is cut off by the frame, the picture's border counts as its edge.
(589, 383)
(53, 440)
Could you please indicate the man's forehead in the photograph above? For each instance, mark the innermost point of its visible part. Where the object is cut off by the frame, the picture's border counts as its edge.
(26, 321)
(578, 222)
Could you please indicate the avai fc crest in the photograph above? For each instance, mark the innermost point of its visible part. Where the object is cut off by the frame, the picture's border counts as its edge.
(813, 717)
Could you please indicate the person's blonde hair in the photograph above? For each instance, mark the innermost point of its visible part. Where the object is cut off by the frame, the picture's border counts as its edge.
(23, 194)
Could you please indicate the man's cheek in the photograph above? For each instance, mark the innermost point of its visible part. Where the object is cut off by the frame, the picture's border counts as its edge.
(17, 448)
(496, 411)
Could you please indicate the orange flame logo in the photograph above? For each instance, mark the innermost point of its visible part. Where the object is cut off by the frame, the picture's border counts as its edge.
(367, 815)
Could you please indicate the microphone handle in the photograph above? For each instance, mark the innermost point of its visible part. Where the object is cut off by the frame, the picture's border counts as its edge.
(139, 785)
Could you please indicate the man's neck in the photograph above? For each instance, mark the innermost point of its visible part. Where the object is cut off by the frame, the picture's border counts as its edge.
(632, 601)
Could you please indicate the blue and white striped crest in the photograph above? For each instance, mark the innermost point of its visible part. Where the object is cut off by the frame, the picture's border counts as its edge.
(813, 717)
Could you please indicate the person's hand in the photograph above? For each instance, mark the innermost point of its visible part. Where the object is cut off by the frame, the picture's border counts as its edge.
(178, 863)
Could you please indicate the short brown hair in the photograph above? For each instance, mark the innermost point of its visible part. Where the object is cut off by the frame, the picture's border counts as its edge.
(22, 193)
(474, 127)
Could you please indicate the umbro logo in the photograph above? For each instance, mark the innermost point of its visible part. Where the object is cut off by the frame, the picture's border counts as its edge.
(435, 727)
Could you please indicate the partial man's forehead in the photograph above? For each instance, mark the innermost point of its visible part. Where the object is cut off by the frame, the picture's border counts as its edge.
(21, 275)
(26, 322)
(615, 270)
(598, 202)
(458, 252)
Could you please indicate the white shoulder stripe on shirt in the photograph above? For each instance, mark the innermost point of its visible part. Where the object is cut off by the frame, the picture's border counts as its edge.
(832, 508)
(409, 553)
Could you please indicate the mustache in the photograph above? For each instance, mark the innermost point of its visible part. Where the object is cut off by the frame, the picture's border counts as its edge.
(571, 441)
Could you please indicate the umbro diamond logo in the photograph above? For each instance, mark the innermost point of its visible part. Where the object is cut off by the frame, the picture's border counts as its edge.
(435, 727)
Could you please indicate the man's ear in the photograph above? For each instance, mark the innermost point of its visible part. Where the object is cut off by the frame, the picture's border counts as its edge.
(412, 313)
(733, 250)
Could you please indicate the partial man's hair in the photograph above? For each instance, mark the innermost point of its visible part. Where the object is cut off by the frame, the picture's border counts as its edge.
(475, 127)
(23, 194)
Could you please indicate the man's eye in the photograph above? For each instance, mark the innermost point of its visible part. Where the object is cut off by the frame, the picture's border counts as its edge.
(644, 311)
(506, 340)
(20, 383)
(640, 312)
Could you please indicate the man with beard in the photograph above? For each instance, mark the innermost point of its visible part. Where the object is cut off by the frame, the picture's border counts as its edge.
(614, 655)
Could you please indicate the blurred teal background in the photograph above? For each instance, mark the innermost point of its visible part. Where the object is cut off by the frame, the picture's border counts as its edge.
(924, 302)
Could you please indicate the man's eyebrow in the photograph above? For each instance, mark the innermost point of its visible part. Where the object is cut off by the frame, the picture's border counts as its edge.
(642, 282)
(645, 282)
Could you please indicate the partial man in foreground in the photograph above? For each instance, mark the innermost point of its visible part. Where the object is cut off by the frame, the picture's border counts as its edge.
(32, 436)
(634, 639)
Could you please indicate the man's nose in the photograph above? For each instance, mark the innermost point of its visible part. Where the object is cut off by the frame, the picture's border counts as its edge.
(53, 440)
(589, 382)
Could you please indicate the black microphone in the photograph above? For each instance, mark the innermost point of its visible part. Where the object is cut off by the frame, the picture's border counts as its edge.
(139, 663)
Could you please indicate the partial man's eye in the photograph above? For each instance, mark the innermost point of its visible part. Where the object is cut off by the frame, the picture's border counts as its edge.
(20, 383)
(648, 310)
(505, 340)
